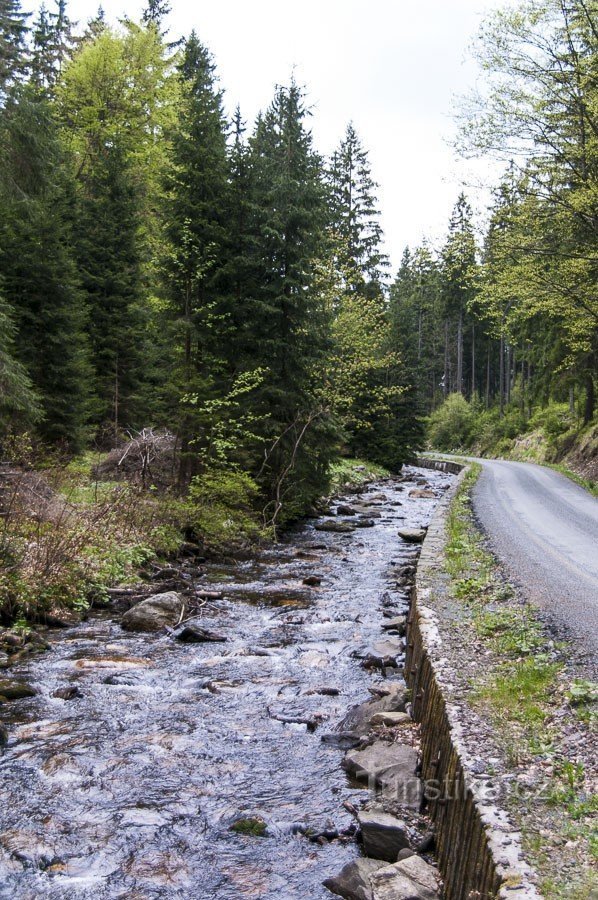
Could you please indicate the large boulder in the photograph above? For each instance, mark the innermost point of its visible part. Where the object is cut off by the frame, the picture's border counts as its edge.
(383, 835)
(410, 879)
(155, 613)
(353, 881)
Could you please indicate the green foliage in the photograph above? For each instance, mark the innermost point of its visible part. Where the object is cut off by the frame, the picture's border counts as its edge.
(354, 472)
(222, 510)
(38, 268)
(450, 427)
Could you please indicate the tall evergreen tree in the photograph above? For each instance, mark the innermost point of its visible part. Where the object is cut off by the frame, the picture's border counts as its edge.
(196, 189)
(458, 280)
(291, 324)
(13, 30)
(109, 264)
(355, 214)
(19, 405)
(52, 43)
(38, 268)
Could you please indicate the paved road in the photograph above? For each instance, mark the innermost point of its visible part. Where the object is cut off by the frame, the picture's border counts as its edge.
(544, 528)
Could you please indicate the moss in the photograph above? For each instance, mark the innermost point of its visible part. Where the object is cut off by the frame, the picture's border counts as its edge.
(253, 826)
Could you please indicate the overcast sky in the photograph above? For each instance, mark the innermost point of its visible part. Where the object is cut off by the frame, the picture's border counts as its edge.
(393, 67)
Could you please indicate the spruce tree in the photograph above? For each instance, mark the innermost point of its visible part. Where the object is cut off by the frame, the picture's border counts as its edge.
(355, 214)
(109, 264)
(196, 188)
(291, 323)
(37, 265)
(13, 30)
(19, 405)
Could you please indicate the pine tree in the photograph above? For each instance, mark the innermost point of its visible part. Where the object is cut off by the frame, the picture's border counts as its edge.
(52, 43)
(355, 215)
(458, 277)
(109, 263)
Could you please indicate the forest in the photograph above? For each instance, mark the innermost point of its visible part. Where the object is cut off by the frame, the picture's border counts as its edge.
(171, 278)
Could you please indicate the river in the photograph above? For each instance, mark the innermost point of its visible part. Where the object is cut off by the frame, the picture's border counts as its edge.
(129, 789)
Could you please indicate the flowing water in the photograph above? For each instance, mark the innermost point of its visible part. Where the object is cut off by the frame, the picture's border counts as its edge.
(129, 789)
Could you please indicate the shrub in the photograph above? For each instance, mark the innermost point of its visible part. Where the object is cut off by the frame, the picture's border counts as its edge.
(450, 426)
(222, 509)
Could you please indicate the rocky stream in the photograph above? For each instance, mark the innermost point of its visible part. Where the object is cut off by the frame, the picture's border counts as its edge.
(252, 750)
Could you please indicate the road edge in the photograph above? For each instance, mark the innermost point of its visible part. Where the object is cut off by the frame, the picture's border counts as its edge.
(478, 850)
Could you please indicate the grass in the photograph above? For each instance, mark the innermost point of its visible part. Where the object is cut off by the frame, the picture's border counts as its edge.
(587, 484)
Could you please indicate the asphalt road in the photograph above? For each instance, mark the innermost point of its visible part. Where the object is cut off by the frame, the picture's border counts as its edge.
(544, 529)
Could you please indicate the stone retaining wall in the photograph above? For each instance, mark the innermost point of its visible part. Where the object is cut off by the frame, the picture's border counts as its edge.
(479, 853)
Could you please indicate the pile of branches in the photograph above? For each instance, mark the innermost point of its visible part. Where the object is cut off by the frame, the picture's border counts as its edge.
(149, 459)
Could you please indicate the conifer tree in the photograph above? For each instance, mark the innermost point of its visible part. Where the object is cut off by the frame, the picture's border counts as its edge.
(13, 30)
(355, 214)
(196, 189)
(109, 264)
(52, 43)
(38, 268)
(291, 323)
(19, 405)
(458, 277)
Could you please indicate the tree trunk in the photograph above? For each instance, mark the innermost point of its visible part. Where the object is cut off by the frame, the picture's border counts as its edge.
(501, 376)
(590, 404)
(472, 361)
(445, 382)
(488, 379)
(460, 352)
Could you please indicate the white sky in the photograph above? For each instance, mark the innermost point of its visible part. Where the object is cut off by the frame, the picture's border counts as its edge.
(393, 67)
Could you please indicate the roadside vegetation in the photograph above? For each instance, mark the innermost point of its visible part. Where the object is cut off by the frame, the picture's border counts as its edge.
(527, 692)
(552, 435)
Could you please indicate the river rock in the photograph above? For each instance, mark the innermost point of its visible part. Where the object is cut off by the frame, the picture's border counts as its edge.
(3, 736)
(359, 718)
(68, 693)
(353, 881)
(342, 740)
(412, 535)
(343, 510)
(422, 494)
(312, 580)
(383, 835)
(332, 525)
(391, 767)
(410, 879)
(391, 719)
(16, 690)
(4, 660)
(195, 634)
(397, 623)
(383, 654)
(154, 613)
(28, 848)
(364, 522)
